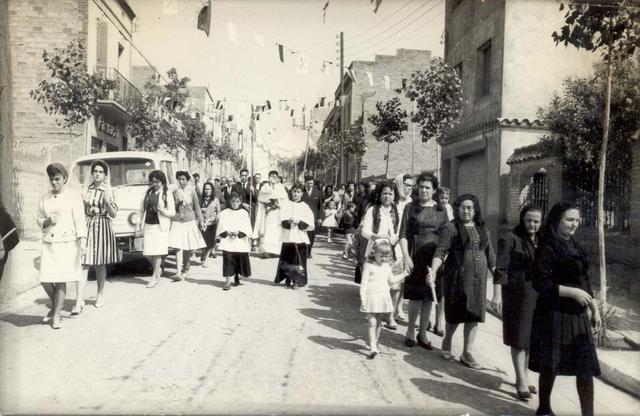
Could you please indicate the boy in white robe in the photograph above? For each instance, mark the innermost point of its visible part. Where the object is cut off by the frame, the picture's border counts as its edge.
(234, 230)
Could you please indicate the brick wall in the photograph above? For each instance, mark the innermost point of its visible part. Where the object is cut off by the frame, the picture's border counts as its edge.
(635, 191)
(397, 67)
(34, 136)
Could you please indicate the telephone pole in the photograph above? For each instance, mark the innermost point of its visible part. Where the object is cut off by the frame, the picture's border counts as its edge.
(342, 115)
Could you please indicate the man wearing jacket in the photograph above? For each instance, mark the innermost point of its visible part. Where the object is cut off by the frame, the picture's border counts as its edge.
(313, 197)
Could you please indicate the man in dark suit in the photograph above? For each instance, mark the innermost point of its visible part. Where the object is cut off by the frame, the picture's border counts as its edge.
(225, 189)
(246, 191)
(313, 197)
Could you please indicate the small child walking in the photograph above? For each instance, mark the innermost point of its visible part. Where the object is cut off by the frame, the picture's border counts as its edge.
(330, 222)
(234, 230)
(347, 222)
(377, 277)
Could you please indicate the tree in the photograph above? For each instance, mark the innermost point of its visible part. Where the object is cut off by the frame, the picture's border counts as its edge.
(614, 31)
(353, 140)
(195, 136)
(437, 92)
(71, 92)
(389, 124)
(176, 91)
(329, 147)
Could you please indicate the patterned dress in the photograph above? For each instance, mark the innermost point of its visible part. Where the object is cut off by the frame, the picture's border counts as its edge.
(101, 240)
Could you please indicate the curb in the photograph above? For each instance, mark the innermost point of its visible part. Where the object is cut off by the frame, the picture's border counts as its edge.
(619, 380)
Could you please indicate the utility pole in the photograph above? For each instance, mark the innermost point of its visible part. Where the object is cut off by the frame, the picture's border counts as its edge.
(413, 142)
(306, 150)
(342, 172)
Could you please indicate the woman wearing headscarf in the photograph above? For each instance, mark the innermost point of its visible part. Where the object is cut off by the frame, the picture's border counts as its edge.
(64, 235)
(99, 208)
(466, 245)
(156, 210)
(514, 271)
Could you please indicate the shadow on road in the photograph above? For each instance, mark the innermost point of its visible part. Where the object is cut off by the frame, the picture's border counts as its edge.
(22, 320)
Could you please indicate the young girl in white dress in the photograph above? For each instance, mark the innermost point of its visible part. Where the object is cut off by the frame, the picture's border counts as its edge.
(330, 222)
(375, 295)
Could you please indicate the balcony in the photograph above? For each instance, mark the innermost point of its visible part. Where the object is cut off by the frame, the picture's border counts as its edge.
(122, 97)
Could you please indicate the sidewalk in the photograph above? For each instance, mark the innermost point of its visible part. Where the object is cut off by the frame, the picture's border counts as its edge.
(20, 273)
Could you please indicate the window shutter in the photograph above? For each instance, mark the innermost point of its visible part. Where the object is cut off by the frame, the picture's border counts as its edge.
(101, 49)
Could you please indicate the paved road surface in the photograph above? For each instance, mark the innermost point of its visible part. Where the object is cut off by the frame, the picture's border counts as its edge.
(190, 347)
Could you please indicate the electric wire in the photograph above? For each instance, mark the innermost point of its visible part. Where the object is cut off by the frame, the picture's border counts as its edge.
(385, 19)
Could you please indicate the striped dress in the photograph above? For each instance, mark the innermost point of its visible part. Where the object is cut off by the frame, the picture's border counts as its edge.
(101, 240)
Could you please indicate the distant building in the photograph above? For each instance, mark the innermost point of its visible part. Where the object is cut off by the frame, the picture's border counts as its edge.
(29, 137)
(510, 66)
(359, 102)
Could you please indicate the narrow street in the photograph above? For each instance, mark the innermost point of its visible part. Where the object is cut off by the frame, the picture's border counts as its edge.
(190, 347)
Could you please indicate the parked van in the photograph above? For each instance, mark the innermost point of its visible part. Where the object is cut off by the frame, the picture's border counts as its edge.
(129, 175)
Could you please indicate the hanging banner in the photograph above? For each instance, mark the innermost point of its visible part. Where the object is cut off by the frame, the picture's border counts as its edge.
(303, 64)
(280, 52)
(232, 32)
(259, 39)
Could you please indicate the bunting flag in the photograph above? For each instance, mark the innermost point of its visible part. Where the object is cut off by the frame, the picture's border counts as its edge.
(170, 7)
(321, 101)
(387, 82)
(281, 52)
(268, 105)
(370, 76)
(218, 105)
(324, 12)
(259, 39)
(303, 65)
(232, 32)
(204, 18)
(376, 5)
(291, 113)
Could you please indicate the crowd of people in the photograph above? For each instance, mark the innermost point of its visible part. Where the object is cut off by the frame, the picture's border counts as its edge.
(404, 238)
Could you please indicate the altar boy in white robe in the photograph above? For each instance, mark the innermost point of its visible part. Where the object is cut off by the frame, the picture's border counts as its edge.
(296, 220)
(234, 230)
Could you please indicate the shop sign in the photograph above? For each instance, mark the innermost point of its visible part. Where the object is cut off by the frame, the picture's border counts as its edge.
(108, 128)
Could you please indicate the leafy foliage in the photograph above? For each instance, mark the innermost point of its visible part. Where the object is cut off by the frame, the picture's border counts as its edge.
(175, 92)
(353, 140)
(329, 148)
(71, 92)
(390, 121)
(613, 29)
(438, 94)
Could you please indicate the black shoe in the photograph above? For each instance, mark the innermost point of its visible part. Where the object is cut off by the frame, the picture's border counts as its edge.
(542, 412)
(409, 342)
(439, 332)
(309, 256)
(372, 355)
(236, 281)
(425, 345)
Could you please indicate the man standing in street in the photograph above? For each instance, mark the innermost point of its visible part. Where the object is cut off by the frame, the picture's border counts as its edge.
(226, 189)
(313, 197)
(246, 191)
(196, 185)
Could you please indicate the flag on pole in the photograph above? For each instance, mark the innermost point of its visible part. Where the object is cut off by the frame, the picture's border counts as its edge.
(259, 39)
(280, 52)
(204, 17)
(370, 76)
(170, 7)
(376, 4)
(303, 64)
(387, 82)
(232, 32)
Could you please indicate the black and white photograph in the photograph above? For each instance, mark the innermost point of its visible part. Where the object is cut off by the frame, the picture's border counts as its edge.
(320, 207)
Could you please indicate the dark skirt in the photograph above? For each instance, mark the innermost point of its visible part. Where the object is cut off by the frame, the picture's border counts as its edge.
(292, 255)
(563, 343)
(456, 311)
(358, 275)
(518, 304)
(235, 264)
(209, 235)
(415, 285)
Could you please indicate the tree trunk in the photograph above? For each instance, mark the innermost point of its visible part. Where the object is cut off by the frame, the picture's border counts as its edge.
(601, 189)
(386, 170)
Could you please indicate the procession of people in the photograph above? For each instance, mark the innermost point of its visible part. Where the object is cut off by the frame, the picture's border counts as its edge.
(404, 239)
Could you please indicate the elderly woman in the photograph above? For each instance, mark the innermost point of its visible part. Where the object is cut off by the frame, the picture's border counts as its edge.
(156, 211)
(466, 246)
(64, 235)
(566, 312)
(422, 220)
(514, 271)
(99, 208)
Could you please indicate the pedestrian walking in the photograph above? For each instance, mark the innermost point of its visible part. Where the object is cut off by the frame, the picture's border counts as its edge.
(377, 279)
(185, 235)
(361, 199)
(566, 312)
(268, 228)
(514, 271)
(313, 197)
(156, 210)
(210, 208)
(466, 245)
(102, 249)
(64, 240)
(234, 230)
(297, 220)
(9, 238)
(347, 221)
(422, 221)
(330, 219)
(382, 221)
(404, 183)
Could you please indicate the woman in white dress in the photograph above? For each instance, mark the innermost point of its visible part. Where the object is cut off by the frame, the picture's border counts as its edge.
(271, 198)
(185, 235)
(156, 211)
(64, 235)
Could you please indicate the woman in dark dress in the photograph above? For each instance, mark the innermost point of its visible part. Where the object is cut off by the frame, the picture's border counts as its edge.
(210, 207)
(514, 271)
(466, 245)
(563, 342)
(422, 220)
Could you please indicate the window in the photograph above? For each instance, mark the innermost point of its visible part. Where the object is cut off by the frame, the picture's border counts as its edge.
(484, 70)
(101, 49)
(96, 145)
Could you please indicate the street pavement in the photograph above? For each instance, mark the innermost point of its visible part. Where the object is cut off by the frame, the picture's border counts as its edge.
(189, 347)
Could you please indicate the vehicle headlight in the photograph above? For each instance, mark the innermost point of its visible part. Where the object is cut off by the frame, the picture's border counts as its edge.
(134, 219)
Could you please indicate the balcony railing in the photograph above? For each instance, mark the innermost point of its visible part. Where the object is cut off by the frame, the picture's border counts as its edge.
(124, 92)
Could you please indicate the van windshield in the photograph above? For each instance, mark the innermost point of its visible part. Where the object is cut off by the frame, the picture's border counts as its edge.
(124, 171)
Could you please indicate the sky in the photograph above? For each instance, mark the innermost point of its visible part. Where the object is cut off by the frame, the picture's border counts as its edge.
(249, 72)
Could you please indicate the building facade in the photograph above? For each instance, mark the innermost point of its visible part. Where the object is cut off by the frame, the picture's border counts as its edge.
(366, 83)
(30, 138)
(509, 67)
